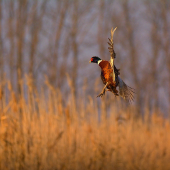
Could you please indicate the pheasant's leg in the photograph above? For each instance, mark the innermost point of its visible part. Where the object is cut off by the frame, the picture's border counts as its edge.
(114, 92)
(103, 91)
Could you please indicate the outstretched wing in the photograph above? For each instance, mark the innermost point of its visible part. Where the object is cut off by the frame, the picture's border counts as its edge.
(112, 52)
(125, 91)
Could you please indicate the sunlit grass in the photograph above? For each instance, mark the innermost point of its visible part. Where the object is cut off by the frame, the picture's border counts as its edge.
(39, 131)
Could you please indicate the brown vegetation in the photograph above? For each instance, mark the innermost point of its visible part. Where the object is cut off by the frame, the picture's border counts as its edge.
(39, 131)
(51, 119)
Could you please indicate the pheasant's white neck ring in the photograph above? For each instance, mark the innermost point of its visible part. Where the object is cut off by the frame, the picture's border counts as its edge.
(99, 61)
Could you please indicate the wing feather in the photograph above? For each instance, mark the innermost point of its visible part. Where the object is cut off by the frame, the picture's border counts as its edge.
(125, 91)
(112, 52)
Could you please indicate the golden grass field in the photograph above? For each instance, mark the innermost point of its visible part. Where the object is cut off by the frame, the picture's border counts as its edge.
(40, 132)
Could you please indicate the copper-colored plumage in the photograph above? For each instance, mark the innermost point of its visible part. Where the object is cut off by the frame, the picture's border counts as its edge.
(107, 76)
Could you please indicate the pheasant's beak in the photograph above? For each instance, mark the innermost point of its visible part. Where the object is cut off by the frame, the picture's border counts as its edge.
(90, 61)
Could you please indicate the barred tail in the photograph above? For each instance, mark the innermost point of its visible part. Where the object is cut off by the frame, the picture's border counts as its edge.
(125, 91)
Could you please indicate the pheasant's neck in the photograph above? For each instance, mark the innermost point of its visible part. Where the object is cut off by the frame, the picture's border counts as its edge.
(104, 64)
(99, 62)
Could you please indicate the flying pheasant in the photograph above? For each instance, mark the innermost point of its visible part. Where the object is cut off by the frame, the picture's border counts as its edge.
(110, 76)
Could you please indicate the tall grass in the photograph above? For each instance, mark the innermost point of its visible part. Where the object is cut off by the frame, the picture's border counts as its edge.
(40, 131)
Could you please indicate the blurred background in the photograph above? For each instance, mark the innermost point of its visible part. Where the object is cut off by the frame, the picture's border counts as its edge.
(50, 117)
(56, 39)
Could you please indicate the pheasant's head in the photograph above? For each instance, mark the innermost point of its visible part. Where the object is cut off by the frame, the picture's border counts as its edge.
(95, 59)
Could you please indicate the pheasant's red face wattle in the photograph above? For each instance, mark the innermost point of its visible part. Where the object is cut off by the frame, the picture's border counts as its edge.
(91, 59)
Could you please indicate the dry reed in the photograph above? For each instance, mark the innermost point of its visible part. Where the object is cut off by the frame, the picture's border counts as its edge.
(39, 131)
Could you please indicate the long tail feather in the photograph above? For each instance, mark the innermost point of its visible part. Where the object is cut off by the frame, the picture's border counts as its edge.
(125, 91)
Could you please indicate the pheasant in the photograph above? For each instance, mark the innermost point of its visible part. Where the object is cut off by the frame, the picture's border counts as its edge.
(111, 77)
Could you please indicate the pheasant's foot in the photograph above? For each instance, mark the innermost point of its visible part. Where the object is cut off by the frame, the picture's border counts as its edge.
(102, 93)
